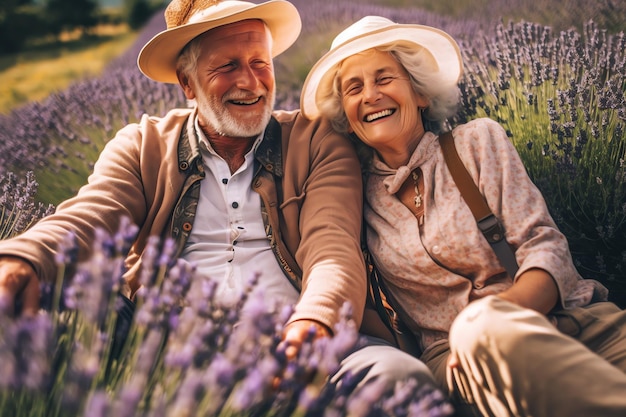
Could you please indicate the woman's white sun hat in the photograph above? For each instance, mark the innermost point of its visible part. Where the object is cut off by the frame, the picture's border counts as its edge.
(187, 19)
(372, 31)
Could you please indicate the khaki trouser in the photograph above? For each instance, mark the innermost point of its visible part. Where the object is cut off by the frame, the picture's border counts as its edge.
(514, 361)
(382, 361)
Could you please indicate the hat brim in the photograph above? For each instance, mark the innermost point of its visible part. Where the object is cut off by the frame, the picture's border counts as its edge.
(157, 59)
(441, 46)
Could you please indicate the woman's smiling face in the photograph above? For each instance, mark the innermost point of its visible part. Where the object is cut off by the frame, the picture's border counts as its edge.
(379, 101)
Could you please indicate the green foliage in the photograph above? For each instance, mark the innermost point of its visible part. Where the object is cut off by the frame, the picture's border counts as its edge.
(13, 20)
(7, 6)
(138, 12)
(47, 19)
(68, 15)
(561, 96)
(52, 66)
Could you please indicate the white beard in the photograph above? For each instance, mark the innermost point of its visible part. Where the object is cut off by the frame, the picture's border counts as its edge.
(217, 116)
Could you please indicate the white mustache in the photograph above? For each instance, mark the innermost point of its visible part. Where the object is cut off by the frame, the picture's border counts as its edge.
(245, 96)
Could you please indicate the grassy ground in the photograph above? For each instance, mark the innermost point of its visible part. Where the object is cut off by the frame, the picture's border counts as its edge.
(50, 67)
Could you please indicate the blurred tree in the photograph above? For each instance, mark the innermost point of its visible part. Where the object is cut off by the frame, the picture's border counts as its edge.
(15, 15)
(72, 14)
(8, 5)
(138, 12)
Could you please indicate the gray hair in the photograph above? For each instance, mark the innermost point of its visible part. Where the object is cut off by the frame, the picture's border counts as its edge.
(187, 61)
(443, 99)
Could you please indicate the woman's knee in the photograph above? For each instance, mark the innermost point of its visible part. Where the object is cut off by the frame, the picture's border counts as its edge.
(494, 321)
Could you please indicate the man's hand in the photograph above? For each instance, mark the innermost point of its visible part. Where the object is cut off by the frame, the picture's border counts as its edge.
(298, 332)
(295, 335)
(18, 282)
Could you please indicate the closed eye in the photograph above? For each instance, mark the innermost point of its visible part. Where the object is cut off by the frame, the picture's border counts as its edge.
(259, 64)
(226, 67)
(385, 80)
(352, 89)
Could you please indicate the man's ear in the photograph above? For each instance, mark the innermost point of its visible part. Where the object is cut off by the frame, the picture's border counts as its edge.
(185, 84)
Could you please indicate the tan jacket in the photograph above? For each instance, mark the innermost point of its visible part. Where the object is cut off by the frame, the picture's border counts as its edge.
(152, 169)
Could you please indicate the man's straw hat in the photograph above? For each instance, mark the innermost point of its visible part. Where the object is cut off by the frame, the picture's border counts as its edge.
(187, 19)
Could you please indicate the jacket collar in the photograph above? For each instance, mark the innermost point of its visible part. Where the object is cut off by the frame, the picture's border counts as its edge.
(268, 153)
(188, 144)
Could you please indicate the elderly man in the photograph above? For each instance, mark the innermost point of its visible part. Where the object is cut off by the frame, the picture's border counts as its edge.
(240, 188)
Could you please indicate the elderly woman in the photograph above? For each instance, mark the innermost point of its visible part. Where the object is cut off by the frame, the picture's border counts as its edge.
(540, 341)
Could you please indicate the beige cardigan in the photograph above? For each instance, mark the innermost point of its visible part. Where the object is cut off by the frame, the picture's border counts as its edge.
(139, 175)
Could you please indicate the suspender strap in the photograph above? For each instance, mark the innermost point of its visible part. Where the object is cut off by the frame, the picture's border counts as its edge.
(487, 222)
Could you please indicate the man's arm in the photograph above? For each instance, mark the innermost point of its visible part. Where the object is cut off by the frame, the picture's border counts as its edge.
(330, 224)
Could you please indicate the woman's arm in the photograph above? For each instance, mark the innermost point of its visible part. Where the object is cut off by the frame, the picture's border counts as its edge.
(534, 289)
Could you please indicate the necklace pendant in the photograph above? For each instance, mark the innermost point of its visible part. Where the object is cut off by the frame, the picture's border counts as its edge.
(418, 196)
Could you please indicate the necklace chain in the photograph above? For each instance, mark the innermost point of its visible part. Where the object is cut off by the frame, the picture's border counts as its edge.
(418, 196)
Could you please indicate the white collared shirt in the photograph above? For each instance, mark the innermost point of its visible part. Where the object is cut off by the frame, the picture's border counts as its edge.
(228, 241)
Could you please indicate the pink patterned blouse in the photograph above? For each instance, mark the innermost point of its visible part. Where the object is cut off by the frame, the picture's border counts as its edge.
(434, 270)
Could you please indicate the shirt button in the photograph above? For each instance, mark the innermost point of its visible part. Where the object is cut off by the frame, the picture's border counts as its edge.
(436, 250)
(224, 180)
(235, 204)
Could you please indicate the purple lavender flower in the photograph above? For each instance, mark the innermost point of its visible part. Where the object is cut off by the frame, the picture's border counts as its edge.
(26, 344)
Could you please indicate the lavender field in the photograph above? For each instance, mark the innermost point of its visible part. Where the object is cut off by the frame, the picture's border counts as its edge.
(559, 90)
